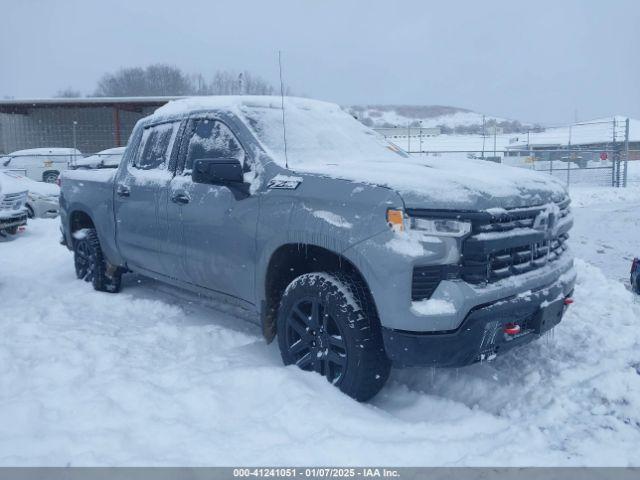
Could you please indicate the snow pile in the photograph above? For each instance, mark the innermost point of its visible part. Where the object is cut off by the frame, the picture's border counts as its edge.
(152, 376)
(606, 228)
(588, 196)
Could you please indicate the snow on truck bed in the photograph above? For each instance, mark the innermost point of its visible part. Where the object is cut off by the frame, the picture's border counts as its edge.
(152, 376)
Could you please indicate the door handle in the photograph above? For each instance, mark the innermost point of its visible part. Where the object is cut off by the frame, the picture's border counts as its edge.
(180, 198)
(123, 191)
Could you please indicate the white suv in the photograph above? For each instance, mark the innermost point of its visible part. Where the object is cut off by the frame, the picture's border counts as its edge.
(41, 164)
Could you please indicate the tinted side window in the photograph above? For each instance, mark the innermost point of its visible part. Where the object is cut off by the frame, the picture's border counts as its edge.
(212, 139)
(155, 147)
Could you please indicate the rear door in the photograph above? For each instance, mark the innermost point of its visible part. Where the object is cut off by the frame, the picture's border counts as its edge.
(213, 226)
(140, 199)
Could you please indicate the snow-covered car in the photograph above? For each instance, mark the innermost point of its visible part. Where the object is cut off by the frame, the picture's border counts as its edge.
(42, 198)
(353, 254)
(41, 164)
(109, 158)
(635, 275)
(13, 205)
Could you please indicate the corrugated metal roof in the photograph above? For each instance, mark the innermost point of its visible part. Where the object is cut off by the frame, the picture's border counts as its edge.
(85, 101)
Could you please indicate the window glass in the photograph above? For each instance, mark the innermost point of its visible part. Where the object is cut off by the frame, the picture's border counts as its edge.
(155, 147)
(212, 139)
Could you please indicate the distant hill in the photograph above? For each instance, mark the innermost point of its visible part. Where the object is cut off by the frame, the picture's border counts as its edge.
(449, 119)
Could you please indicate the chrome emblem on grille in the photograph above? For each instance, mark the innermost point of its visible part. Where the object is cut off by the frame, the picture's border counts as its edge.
(546, 220)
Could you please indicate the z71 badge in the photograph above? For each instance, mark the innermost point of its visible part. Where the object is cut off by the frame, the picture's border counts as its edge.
(285, 182)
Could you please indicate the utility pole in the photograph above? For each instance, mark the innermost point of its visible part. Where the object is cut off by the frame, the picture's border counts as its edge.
(616, 156)
(75, 143)
(626, 152)
(421, 135)
(483, 136)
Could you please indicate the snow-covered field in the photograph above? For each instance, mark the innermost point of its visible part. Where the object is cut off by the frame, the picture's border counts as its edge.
(153, 376)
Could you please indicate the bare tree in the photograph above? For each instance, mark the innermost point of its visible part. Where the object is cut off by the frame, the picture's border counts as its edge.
(225, 82)
(161, 79)
(68, 92)
(156, 79)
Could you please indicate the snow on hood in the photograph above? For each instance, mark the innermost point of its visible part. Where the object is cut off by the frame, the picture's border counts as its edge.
(461, 184)
(323, 139)
(12, 182)
(9, 185)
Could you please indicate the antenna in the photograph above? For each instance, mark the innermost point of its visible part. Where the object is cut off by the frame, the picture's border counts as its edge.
(284, 125)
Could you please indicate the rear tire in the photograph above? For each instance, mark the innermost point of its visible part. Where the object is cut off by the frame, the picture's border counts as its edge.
(50, 177)
(90, 264)
(328, 324)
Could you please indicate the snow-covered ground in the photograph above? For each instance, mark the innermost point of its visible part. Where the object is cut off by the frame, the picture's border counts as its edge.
(153, 376)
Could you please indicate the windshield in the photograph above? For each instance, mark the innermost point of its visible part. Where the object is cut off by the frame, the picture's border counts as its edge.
(317, 134)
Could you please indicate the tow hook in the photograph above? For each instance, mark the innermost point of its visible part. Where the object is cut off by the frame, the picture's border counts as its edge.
(511, 329)
(568, 301)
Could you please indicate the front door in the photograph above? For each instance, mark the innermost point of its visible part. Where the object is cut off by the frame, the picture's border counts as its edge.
(213, 226)
(141, 199)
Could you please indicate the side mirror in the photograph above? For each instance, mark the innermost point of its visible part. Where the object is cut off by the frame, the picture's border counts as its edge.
(218, 171)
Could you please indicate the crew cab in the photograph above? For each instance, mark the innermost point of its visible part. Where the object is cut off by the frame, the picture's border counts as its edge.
(353, 254)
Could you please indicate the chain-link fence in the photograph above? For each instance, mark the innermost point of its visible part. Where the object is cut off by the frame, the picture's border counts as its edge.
(589, 153)
(571, 166)
(41, 138)
(89, 125)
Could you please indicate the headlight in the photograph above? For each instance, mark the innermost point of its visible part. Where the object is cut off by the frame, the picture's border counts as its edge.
(395, 219)
(441, 227)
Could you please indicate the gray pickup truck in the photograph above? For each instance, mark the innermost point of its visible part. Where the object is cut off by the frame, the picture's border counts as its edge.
(353, 254)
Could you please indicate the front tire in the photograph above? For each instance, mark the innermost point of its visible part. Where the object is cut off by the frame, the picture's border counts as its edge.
(328, 324)
(90, 264)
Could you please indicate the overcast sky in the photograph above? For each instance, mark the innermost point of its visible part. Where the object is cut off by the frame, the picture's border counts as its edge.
(529, 60)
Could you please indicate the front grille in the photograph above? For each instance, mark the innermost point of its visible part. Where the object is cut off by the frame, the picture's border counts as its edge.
(13, 201)
(512, 242)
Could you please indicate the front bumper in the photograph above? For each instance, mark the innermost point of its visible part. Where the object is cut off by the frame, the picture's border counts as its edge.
(15, 220)
(481, 334)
